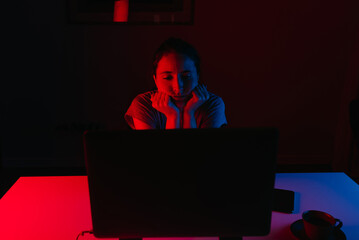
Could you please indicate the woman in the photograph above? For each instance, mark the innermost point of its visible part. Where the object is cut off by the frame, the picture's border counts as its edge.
(179, 101)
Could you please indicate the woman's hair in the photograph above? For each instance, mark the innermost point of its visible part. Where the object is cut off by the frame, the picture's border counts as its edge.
(178, 46)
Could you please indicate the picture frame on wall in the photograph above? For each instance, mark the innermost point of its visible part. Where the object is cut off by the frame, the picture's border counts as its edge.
(137, 12)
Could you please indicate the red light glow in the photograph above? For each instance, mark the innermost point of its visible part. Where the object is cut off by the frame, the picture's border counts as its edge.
(120, 13)
(45, 208)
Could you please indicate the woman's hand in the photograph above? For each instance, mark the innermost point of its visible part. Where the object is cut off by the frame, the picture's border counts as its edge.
(163, 103)
(199, 96)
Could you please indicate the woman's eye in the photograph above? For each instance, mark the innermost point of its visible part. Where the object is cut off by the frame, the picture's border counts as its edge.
(168, 78)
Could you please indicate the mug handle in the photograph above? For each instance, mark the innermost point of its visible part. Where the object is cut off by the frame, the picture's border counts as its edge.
(338, 224)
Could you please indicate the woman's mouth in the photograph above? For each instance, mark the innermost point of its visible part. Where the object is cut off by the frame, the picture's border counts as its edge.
(180, 97)
(178, 93)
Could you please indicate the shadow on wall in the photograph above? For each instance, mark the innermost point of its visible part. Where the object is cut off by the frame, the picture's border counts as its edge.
(27, 129)
(32, 138)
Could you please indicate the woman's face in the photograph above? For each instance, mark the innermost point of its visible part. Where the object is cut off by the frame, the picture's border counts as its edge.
(176, 75)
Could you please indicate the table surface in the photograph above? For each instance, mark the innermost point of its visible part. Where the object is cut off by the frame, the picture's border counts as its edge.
(59, 207)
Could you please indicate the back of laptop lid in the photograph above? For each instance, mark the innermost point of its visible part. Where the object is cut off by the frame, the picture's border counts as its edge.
(181, 183)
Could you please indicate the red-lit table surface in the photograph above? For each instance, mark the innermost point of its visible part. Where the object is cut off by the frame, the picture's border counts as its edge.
(59, 207)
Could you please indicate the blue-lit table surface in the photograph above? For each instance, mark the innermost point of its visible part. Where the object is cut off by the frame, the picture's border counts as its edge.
(334, 193)
(59, 207)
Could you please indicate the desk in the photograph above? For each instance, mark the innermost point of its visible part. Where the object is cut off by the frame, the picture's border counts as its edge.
(334, 193)
(59, 207)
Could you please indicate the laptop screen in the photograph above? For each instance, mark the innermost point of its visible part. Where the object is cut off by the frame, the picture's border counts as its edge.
(181, 183)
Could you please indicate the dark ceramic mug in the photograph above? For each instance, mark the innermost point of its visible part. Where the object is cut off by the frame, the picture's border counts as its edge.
(320, 225)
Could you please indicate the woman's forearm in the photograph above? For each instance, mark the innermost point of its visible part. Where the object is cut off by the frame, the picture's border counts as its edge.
(189, 121)
(173, 121)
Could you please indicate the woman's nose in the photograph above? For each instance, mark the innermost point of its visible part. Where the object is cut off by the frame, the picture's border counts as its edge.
(178, 83)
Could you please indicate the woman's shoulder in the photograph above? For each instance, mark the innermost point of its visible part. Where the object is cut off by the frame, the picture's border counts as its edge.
(213, 104)
(214, 99)
(145, 95)
(212, 112)
(141, 109)
(143, 98)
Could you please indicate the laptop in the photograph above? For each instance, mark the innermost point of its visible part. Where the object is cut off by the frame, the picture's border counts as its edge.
(181, 183)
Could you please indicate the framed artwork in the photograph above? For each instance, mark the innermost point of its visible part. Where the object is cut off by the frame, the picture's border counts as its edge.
(139, 11)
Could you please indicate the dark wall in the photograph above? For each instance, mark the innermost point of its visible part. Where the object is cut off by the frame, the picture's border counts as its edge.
(274, 63)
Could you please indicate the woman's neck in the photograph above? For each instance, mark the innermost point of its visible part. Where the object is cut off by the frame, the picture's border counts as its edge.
(181, 103)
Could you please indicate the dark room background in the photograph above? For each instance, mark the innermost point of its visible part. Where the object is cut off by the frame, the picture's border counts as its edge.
(287, 64)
